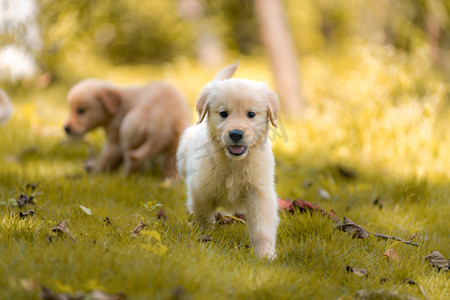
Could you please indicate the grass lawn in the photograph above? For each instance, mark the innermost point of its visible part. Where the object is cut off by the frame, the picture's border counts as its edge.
(382, 115)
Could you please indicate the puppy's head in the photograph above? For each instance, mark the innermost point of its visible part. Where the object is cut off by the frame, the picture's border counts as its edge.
(92, 103)
(238, 113)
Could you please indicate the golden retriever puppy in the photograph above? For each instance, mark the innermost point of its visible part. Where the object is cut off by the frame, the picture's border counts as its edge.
(227, 161)
(140, 123)
(6, 108)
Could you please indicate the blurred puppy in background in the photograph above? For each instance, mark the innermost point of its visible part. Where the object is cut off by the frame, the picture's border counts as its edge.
(140, 123)
(6, 108)
(227, 161)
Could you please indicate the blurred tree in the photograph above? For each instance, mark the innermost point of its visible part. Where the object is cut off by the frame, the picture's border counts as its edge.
(280, 47)
(123, 31)
(208, 46)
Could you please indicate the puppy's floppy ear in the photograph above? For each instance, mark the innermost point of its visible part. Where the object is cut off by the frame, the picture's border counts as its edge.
(273, 107)
(110, 98)
(201, 106)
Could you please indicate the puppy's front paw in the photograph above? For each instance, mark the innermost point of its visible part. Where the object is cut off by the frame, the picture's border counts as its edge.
(266, 250)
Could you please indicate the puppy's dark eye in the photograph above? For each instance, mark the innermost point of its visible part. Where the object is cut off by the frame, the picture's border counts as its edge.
(251, 114)
(81, 111)
(223, 114)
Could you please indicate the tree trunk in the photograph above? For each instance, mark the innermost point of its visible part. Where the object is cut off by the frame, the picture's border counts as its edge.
(278, 41)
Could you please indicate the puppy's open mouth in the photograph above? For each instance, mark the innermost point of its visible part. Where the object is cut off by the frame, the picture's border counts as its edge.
(236, 150)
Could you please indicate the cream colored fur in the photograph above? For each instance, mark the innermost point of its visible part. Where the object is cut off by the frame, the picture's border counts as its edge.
(141, 123)
(217, 178)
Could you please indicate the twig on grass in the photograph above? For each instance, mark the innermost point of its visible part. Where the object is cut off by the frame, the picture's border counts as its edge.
(388, 237)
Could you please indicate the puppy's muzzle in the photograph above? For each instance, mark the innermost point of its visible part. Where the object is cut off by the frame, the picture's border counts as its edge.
(236, 136)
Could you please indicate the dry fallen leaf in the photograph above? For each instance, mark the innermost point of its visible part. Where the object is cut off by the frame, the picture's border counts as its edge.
(412, 282)
(161, 214)
(223, 220)
(323, 193)
(24, 200)
(28, 213)
(438, 260)
(391, 254)
(346, 172)
(135, 232)
(305, 206)
(31, 186)
(358, 272)
(30, 285)
(62, 228)
(333, 216)
(307, 183)
(378, 202)
(353, 228)
(285, 205)
(204, 238)
(107, 221)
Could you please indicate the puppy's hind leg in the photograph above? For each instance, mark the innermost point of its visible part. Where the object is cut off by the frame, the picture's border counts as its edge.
(170, 162)
(134, 159)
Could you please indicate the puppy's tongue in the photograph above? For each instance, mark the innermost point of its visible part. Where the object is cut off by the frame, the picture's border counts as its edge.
(236, 149)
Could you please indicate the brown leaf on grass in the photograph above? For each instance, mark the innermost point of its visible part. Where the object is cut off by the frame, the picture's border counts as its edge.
(305, 206)
(412, 282)
(391, 254)
(346, 172)
(285, 205)
(358, 272)
(333, 216)
(223, 220)
(62, 228)
(107, 221)
(135, 232)
(354, 229)
(31, 186)
(28, 213)
(378, 202)
(25, 200)
(161, 214)
(204, 238)
(438, 260)
(240, 216)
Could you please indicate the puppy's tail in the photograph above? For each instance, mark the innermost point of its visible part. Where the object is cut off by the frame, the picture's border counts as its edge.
(226, 72)
(6, 108)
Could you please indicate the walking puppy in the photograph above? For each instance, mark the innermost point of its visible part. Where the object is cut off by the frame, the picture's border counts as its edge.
(6, 108)
(227, 161)
(140, 122)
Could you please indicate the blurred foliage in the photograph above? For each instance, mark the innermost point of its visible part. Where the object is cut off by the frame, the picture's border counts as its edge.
(156, 32)
(124, 31)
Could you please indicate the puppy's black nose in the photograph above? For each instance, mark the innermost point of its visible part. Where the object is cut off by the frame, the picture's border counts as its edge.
(67, 129)
(236, 135)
